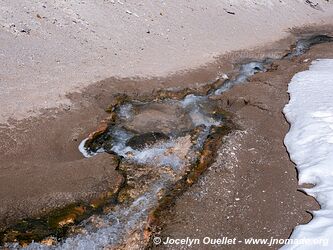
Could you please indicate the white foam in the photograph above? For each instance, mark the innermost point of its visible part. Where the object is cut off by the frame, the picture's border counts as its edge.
(310, 144)
(84, 150)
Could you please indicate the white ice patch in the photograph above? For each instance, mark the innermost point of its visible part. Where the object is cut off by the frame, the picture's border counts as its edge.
(310, 144)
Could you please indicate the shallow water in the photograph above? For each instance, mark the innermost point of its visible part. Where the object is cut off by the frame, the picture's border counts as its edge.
(303, 45)
(246, 70)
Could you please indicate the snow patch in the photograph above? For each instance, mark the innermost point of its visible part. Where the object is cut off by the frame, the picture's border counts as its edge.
(310, 144)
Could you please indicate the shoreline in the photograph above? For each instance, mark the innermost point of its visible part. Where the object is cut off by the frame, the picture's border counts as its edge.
(60, 145)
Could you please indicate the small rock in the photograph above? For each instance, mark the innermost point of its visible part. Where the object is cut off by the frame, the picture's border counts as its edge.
(67, 108)
(26, 30)
(146, 139)
(229, 12)
(50, 241)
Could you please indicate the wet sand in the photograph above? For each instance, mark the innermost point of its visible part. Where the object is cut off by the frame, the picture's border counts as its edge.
(251, 189)
(45, 150)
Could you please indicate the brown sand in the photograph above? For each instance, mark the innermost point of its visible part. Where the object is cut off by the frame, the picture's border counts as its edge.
(251, 190)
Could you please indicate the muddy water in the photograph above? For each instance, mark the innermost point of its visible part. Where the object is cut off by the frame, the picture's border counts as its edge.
(158, 142)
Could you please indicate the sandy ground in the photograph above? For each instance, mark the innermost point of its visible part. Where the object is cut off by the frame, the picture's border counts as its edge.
(51, 48)
(251, 189)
